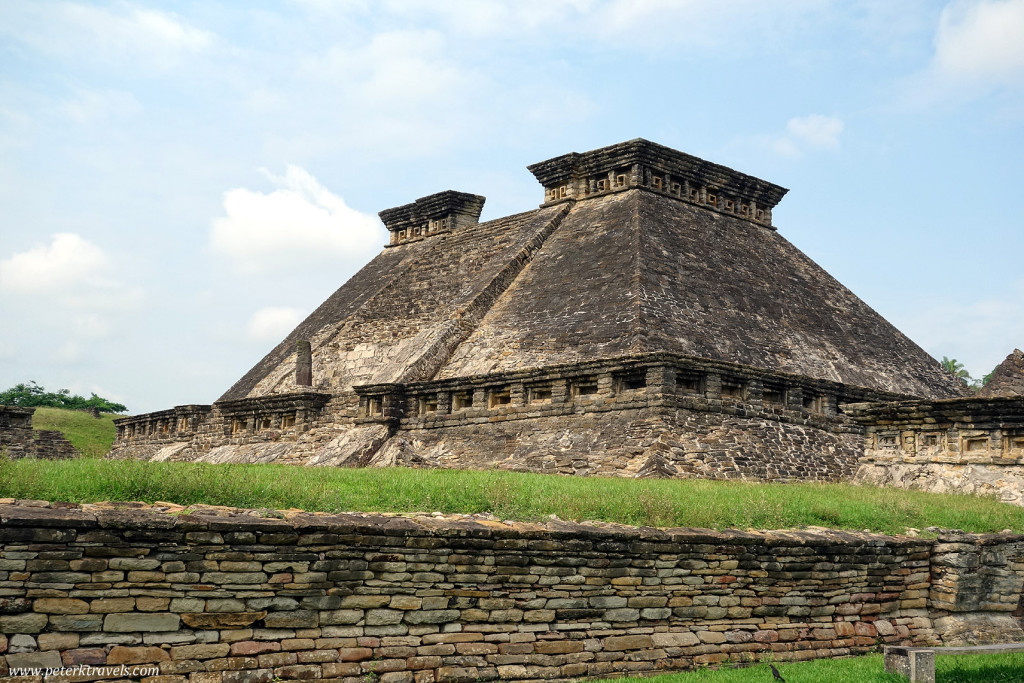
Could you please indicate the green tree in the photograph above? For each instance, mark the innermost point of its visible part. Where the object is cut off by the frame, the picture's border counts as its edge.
(957, 369)
(32, 395)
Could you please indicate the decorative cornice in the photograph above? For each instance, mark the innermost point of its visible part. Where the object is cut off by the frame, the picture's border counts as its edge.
(431, 215)
(641, 164)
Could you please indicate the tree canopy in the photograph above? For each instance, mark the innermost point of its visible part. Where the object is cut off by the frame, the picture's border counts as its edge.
(32, 395)
(957, 369)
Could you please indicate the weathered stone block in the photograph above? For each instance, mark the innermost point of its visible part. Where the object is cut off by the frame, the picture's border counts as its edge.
(253, 647)
(202, 651)
(341, 616)
(136, 655)
(676, 639)
(381, 617)
(60, 606)
(22, 623)
(37, 660)
(76, 622)
(133, 563)
(622, 614)
(131, 622)
(439, 616)
(108, 605)
(57, 641)
(364, 601)
(617, 643)
(294, 619)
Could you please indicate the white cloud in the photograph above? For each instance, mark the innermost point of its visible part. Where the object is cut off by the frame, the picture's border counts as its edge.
(64, 287)
(299, 223)
(125, 32)
(400, 67)
(399, 89)
(273, 323)
(66, 263)
(806, 133)
(981, 43)
(816, 131)
(7, 351)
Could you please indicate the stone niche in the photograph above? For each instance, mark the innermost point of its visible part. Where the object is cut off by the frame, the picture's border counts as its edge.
(616, 384)
(270, 416)
(973, 445)
(180, 422)
(954, 431)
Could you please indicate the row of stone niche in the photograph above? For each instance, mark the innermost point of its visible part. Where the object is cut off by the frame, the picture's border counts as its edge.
(952, 440)
(664, 182)
(161, 426)
(588, 387)
(188, 425)
(431, 227)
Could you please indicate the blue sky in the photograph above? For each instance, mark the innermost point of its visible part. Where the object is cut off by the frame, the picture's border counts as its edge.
(180, 183)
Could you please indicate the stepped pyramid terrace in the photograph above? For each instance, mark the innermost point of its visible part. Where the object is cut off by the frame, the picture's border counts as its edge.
(648, 319)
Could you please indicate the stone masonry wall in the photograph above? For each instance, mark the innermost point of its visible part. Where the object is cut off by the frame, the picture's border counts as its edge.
(216, 595)
(971, 445)
(640, 442)
(19, 440)
(648, 415)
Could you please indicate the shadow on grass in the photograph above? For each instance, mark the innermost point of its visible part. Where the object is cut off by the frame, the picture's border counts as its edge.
(989, 673)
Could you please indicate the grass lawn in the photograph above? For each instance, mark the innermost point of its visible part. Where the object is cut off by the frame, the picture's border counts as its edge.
(509, 495)
(868, 669)
(90, 436)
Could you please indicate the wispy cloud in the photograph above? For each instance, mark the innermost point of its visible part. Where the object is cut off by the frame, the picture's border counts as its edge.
(69, 287)
(978, 52)
(981, 43)
(123, 32)
(99, 106)
(806, 133)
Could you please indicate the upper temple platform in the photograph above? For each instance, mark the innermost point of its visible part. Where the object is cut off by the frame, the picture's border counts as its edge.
(643, 164)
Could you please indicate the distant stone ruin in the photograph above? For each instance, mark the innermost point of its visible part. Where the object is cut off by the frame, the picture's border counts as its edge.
(646, 321)
(1007, 379)
(19, 440)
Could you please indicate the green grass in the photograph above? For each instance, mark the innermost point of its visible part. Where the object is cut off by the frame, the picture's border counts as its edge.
(90, 436)
(509, 495)
(948, 669)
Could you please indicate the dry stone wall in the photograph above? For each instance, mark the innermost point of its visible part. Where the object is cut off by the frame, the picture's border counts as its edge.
(215, 595)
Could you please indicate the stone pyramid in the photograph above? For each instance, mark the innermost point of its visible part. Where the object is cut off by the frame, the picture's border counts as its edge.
(629, 269)
(647, 318)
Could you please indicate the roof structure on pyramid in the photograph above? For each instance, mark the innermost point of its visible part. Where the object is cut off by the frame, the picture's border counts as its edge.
(637, 249)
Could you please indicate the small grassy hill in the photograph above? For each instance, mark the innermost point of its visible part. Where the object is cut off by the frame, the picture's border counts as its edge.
(92, 437)
(509, 495)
